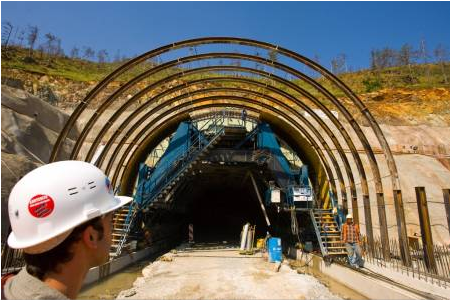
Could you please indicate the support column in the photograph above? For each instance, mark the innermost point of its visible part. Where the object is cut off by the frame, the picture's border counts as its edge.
(355, 210)
(383, 227)
(401, 227)
(368, 221)
(425, 229)
(344, 202)
(447, 206)
(263, 209)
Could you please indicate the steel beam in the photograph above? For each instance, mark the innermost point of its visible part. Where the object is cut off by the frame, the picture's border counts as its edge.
(368, 222)
(261, 203)
(229, 40)
(243, 81)
(196, 102)
(446, 193)
(401, 227)
(425, 229)
(226, 40)
(383, 227)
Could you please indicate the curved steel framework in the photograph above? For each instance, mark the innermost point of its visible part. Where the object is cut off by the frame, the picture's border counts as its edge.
(157, 95)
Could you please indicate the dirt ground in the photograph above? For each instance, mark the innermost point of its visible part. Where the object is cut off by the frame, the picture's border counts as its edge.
(222, 274)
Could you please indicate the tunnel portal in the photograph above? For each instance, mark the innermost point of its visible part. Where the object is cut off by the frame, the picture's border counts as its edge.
(144, 100)
(217, 174)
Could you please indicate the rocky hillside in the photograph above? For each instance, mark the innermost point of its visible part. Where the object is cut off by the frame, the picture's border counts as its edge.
(30, 128)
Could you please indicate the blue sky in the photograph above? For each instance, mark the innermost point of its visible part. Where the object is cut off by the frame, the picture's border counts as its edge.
(310, 28)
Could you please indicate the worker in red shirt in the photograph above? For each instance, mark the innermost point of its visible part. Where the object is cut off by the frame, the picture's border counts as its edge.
(351, 238)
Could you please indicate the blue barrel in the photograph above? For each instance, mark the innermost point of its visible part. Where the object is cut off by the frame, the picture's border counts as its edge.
(274, 249)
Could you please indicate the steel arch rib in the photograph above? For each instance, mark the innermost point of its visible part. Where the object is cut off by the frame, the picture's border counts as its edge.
(310, 97)
(187, 104)
(255, 102)
(325, 73)
(268, 98)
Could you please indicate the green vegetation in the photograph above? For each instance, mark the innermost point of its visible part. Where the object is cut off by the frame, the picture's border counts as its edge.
(411, 76)
(73, 69)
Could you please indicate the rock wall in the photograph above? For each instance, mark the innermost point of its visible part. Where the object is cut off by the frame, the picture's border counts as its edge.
(30, 128)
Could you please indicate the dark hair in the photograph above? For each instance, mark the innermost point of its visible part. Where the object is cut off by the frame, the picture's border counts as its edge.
(40, 264)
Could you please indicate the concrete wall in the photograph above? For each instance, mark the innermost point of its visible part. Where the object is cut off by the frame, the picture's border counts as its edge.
(366, 285)
(100, 272)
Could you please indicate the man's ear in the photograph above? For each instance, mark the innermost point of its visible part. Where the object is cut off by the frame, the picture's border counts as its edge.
(90, 237)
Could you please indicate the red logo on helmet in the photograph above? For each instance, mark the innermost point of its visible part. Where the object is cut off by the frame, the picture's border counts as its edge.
(40, 206)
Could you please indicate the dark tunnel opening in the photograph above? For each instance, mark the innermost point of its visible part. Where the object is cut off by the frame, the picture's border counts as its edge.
(218, 195)
(218, 214)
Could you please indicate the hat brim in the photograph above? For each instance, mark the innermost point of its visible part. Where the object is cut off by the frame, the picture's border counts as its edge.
(121, 201)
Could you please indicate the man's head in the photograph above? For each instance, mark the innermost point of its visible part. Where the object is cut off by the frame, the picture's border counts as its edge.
(93, 238)
(349, 219)
(61, 209)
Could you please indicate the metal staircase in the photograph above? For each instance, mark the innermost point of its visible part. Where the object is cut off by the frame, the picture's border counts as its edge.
(327, 232)
(204, 140)
(121, 227)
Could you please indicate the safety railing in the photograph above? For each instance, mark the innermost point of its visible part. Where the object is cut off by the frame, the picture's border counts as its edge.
(12, 259)
(128, 224)
(418, 268)
(231, 118)
(205, 136)
(323, 249)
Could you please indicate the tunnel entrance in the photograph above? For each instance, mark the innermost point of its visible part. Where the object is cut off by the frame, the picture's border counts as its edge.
(228, 183)
(220, 201)
(240, 73)
(219, 214)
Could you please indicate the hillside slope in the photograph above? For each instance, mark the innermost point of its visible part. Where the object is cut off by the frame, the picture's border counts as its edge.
(410, 95)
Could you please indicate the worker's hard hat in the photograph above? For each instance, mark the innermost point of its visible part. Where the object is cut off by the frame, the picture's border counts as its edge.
(47, 203)
(349, 216)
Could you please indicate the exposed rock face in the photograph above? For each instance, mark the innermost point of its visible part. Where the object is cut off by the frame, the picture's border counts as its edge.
(14, 166)
(54, 90)
(30, 128)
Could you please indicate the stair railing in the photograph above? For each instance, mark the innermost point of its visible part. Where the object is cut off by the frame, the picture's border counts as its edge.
(207, 134)
(323, 250)
(197, 146)
(128, 223)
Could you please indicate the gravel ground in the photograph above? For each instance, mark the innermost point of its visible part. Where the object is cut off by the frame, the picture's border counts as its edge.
(222, 274)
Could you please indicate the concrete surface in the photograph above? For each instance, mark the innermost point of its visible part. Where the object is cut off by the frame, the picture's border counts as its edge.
(419, 284)
(100, 272)
(222, 274)
(368, 286)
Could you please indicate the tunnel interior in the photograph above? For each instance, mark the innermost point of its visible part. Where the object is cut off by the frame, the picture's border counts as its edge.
(218, 200)
(218, 214)
(218, 196)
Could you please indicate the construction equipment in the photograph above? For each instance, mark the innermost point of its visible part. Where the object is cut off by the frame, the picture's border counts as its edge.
(247, 239)
(155, 185)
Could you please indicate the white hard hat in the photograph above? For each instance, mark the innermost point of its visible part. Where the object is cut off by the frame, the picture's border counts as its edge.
(47, 203)
(349, 216)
